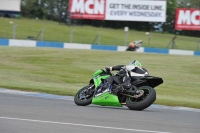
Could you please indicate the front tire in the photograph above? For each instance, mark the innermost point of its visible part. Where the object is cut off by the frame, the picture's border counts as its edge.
(84, 96)
(144, 101)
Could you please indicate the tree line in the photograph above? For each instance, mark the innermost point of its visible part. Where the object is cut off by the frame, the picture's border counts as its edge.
(53, 10)
(43, 9)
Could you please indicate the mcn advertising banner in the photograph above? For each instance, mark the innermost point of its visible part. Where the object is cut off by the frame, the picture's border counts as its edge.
(187, 19)
(121, 10)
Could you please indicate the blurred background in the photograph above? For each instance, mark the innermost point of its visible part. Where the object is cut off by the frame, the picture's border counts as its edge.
(49, 20)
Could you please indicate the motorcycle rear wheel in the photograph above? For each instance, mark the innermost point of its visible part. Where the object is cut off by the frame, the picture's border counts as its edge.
(144, 101)
(83, 97)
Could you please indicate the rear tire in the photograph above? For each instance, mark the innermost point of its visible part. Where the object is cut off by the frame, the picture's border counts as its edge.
(144, 101)
(82, 98)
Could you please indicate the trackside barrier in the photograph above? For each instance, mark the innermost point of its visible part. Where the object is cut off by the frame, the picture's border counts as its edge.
(104, 47)
(50, 44)
(31, 43)
(22, 43)
(4, 42)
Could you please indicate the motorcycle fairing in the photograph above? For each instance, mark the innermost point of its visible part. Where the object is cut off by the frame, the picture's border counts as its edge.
(147, 80)
(106, 99)
(97, 78)
(97, 73)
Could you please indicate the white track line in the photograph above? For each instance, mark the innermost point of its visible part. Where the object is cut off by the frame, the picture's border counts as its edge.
(83, 125)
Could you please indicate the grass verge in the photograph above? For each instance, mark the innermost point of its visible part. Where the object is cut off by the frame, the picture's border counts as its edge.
(65, 71)
(88, 34)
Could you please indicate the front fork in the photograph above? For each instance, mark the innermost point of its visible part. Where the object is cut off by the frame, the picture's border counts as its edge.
(90, 90)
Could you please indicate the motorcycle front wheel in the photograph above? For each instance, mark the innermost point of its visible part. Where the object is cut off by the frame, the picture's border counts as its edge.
(143, 101)
(84, 96)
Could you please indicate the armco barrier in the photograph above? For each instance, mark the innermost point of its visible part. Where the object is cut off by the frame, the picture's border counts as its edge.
(104, 47)
(197, 53)
(156, 50)
(31, 43)
(23, 43)
(77, 46)
(4, 42)
(50, 44)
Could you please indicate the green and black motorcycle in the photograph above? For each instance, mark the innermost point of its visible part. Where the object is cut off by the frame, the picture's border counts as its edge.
(100, 92)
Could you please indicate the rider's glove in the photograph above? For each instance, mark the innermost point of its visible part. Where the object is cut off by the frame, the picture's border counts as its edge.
(107, 69)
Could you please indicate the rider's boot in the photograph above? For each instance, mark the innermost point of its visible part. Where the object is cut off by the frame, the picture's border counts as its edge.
(124, 86)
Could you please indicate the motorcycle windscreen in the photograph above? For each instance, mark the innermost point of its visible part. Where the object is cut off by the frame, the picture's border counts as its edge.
(106, 99)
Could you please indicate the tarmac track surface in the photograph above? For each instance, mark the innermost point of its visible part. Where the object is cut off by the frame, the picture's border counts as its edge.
(53, 114)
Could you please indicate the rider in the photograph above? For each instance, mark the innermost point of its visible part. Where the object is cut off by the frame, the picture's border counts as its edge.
(133, 69)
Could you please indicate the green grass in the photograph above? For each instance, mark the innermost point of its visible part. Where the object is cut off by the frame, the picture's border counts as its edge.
(87, 34)
(65, 71)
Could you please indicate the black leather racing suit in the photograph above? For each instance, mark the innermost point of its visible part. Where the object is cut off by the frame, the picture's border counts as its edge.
(122, 78)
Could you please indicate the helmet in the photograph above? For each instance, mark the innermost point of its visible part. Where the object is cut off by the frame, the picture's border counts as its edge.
(131, 45)
(136, 63)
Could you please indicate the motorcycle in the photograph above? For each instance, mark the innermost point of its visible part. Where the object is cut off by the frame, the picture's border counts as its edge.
(100, 92)
(133, 46)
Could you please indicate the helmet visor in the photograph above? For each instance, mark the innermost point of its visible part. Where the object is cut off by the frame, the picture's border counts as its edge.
(136, 64)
